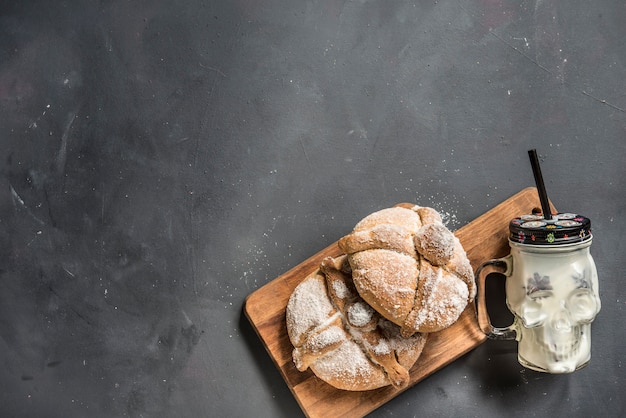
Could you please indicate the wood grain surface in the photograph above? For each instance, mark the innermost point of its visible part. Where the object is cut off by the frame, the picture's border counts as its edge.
(484, 238)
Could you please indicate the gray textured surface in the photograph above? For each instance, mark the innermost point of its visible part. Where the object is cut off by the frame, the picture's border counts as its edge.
(163, 160)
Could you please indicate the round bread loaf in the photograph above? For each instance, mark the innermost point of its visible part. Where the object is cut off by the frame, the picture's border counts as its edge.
(410, 268)
(341, 338)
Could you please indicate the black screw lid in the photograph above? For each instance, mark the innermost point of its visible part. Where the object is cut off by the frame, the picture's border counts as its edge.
(563, 228)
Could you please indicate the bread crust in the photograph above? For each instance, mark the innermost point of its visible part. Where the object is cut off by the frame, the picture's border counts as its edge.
(423, 286)
(361, 321)
(344, 340)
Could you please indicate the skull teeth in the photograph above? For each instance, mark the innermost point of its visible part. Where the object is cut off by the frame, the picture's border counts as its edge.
(567, 347)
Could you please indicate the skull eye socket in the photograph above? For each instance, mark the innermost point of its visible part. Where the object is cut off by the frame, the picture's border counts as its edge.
(533, 314)
(582, 305)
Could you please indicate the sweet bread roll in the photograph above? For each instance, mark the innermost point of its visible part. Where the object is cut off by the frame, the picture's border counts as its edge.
(410, 268)
(341, 338)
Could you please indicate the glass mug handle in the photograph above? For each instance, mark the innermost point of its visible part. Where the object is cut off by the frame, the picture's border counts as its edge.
(500, 265)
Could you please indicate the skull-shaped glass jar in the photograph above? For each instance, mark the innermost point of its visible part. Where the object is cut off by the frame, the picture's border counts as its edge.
(551, 289)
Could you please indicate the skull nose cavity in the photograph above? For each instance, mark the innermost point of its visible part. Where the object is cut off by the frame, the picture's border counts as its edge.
(561, 321)
(562, 325)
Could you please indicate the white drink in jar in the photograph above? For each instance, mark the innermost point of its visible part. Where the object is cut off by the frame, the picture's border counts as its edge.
(551, 289)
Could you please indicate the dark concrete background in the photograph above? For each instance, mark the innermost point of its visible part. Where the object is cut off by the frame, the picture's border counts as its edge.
(162, 160)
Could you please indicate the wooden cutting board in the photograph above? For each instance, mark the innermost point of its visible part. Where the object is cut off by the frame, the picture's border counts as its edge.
(484, 238)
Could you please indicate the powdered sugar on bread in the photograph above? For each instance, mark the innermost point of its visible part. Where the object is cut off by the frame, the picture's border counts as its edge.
(361, 321)
(427, 293)
(311, 312)
(342, 339)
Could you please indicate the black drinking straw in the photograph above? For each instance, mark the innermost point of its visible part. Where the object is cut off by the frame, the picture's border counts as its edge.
(541, 188)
